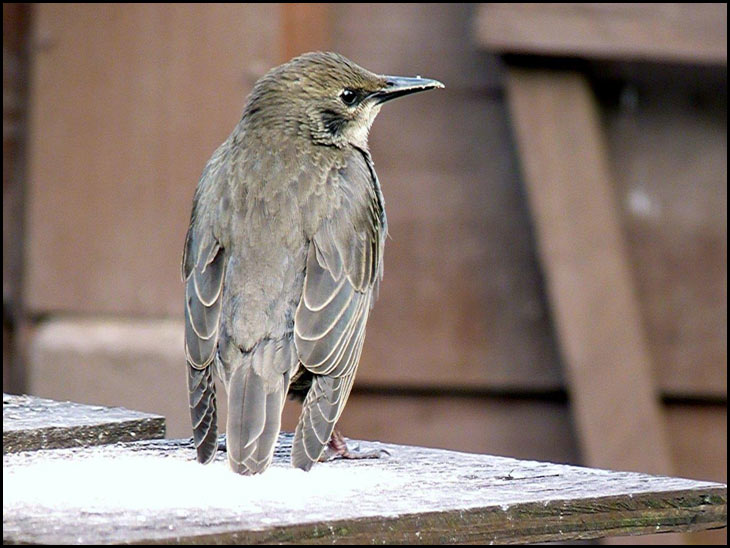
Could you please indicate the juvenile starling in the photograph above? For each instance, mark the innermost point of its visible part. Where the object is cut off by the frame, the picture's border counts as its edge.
(283, 258)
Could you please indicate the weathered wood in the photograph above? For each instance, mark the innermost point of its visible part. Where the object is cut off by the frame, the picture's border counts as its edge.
(480, 423)
(129, 102)
(304, 27)
(114, 362)
(587, 270)
(31, 423)
(16, 25)
(153, 492)
(668, 153)
(431, 39)
(689, 32)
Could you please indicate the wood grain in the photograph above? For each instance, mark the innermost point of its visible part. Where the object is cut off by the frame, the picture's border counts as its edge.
(31, 423)
(304, 27)
(669, 157)
(430, 497)
(688, 32)
(597, 316)
(129, 102)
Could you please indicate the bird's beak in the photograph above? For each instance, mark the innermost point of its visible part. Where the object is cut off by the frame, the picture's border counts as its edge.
(398, 86)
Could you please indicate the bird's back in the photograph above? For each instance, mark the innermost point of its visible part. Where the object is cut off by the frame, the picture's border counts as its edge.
(265, 214)
(284, 255)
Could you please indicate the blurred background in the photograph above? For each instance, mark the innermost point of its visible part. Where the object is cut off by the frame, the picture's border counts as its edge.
(556, 273)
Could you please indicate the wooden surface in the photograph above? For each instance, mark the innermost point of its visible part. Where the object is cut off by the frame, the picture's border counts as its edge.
(597, 316)
(122, 362)
(16, 25)
(415, 495)
(304, 27)
(668, 156)
(31, 423)
(407, 39)
(121, 189)
(466, 251)
(462, 287)
(474, 356)
(684, 32)
(16, 20)
(129, 102)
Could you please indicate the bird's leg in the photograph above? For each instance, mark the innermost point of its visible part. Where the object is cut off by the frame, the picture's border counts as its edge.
(337, 449)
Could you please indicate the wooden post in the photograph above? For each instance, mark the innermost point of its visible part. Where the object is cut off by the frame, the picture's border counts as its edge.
(564, 160)
(586, 267)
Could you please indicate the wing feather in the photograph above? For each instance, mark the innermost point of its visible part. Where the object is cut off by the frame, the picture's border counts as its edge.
(203, 298)
(343, 268)
(201, 319)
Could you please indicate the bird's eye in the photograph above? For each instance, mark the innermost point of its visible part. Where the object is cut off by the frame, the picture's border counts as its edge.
(349, 97)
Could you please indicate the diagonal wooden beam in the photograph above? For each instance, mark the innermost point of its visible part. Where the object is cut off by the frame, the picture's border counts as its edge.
(592, 295)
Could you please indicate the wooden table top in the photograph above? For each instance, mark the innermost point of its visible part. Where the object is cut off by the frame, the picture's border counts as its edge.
(154, 492)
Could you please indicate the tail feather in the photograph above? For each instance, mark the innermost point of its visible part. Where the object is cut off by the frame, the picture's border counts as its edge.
(203, 412)
(256, 395)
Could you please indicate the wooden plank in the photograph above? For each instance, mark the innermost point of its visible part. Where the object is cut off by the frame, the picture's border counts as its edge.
(698, 439)
(480, 423)
(589, 283)
(304, 27)
(689, 32)
(462, 286)
(16, 25)
(431, 497)
(129, 102)
(31, 423)
(406, 39)
(16, 21)
(123, 363)
(669, 156)
(113, 362)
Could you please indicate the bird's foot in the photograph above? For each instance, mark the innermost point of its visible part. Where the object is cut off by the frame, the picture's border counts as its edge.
(337, 449)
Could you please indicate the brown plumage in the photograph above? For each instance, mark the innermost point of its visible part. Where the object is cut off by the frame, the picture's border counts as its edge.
(283, 258)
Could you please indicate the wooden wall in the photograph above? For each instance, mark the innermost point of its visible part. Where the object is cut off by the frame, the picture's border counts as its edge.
(127, 104)
(669, 154)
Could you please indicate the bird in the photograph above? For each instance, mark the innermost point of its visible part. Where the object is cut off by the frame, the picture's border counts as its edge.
(283, 258)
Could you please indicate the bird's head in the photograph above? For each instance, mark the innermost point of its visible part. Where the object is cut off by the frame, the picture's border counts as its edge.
(327, 98)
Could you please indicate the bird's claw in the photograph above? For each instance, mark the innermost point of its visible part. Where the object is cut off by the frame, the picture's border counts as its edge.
(337, 449)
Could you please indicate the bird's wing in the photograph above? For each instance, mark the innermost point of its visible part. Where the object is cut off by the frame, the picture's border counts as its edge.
(203, 267)
(344, 265)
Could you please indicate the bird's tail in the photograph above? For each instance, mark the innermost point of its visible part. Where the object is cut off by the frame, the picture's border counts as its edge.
(203, 411)
(256, 395)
